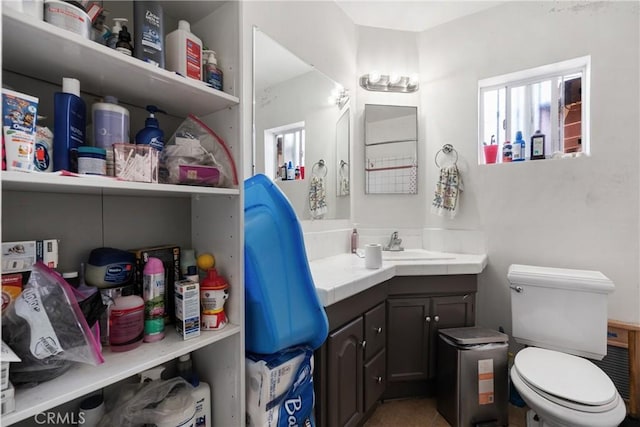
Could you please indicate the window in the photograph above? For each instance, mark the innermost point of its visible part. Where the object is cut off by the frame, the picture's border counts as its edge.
(549, 103)
(283, 145)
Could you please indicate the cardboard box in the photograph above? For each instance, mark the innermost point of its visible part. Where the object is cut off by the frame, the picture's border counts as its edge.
(7, 357)
(8, 400)
(170, 257)
(187, 303)
(20, 256)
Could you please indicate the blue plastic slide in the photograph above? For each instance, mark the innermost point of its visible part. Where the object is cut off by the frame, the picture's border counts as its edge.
(281, 305)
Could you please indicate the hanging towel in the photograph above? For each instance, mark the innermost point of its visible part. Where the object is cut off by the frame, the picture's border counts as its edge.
(448, 188)
(344, 186)
(317, 197)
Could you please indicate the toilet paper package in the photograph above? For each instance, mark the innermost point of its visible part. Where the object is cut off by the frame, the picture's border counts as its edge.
(280, 388)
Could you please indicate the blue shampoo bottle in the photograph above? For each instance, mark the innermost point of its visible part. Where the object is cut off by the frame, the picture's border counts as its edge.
(69, 128)
(518, 153)
(151, 134)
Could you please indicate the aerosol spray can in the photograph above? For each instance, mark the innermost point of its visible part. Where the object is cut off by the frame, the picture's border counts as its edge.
(153, 288)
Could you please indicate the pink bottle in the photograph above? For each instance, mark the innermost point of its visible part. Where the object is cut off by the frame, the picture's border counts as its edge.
(153, 294)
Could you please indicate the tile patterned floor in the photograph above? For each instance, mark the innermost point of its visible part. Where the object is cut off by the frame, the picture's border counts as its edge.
(422, 412)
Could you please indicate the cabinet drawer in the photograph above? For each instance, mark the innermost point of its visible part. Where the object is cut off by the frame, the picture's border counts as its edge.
(375, 380)
(375, 331)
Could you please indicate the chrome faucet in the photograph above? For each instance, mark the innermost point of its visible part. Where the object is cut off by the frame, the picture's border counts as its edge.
(394, 243)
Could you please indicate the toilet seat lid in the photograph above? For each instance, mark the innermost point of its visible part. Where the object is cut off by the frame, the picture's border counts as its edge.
(565, 376)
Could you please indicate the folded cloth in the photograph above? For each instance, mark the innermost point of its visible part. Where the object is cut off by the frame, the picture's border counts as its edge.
(317, 197)
(448, 188)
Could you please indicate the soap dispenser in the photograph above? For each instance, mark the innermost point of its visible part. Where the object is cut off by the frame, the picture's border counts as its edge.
(212, 74)
(115, 31)
(151, 134)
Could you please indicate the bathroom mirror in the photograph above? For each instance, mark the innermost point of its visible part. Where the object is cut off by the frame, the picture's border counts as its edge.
(391, 154)
(300, 116)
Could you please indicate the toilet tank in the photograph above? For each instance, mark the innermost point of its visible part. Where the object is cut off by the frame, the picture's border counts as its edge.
(560, 309)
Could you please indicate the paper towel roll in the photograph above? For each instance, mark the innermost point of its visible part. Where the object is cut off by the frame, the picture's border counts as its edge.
(373, 255)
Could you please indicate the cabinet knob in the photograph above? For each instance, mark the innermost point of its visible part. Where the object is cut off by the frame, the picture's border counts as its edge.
(363, 344)
(436, 318)
(378, 330)
(379, 380)
(427, 319)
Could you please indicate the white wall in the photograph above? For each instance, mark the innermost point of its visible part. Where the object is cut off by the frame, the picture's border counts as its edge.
(302, 99)
(576, 213)
(318, 32)
(386, 51)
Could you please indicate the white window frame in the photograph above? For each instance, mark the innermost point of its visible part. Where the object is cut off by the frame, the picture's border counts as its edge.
(270, 144)
(535, 75)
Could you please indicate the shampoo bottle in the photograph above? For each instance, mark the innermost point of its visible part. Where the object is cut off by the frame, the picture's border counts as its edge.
(212, 74)
(354, 239)
(184, 52)
(148, 32)
(518, 152)
(70, 122)
(291, 172)
(115, 31)
(201, 391)
(151, 134)
(124, 42)
(153, 289)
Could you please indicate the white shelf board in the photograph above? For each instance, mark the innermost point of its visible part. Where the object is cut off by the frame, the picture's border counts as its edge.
(101, 70)
(83, 379)
(50, 182)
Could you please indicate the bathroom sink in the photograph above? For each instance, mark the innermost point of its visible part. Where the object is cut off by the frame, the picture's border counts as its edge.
(414, 255)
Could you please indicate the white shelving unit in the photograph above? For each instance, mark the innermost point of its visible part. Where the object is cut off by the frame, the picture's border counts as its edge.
(89, 212)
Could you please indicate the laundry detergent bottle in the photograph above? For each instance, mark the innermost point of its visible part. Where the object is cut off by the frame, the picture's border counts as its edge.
(151, 134)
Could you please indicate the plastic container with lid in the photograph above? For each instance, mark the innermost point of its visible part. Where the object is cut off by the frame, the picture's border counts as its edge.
(92, 161)
(183, 52)
(126, 323)
(110, 123)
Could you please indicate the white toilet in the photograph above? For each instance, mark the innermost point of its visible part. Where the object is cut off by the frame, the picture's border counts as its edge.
(561, 315)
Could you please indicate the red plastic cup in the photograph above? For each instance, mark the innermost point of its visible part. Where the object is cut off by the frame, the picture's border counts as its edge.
(490, 153)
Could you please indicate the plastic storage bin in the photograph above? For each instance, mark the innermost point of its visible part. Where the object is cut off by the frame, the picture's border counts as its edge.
(281, 305)
(472, 377)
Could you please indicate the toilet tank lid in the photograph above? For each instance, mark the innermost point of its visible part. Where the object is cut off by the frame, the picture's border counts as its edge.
(564, 278)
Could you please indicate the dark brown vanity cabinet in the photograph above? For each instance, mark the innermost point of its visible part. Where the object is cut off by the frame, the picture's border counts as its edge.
(415, 313)
(382, 344)
(351, 365)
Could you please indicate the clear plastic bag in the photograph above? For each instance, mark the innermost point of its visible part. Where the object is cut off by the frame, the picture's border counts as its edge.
(45, 327)
(195, 144)
(148, 403)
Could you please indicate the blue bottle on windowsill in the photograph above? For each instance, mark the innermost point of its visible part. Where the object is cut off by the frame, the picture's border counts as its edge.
(69, 127)
(518, 152)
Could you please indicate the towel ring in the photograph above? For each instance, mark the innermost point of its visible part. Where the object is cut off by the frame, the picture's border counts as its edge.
(447, 149)
(317, 166)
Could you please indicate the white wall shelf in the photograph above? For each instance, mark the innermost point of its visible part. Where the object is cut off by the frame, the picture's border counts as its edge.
(24, 181)
(90, 212)
(101, 70)
(83, 378)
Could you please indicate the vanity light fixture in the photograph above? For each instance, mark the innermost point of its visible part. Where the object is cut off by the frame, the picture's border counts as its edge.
(339, 96)
(389, 83)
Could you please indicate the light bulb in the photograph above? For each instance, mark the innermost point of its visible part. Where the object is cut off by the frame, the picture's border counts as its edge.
(414, 79)
(394, 78)
(374, 77)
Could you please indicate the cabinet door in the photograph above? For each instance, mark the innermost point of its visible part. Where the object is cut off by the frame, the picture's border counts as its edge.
(375, 331)
(408, 321)
(345, 358)
(454, 311)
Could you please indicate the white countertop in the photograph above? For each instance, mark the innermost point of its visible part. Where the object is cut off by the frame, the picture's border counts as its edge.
(341, 276)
